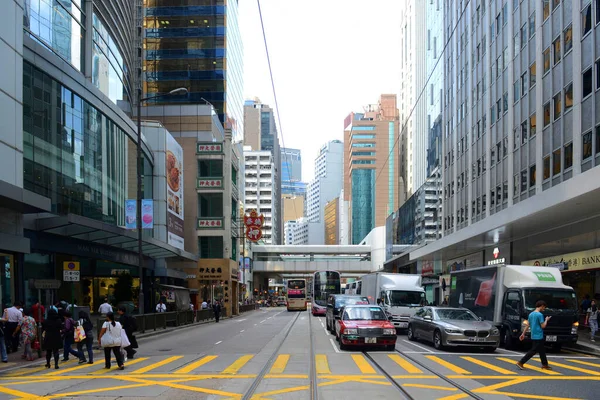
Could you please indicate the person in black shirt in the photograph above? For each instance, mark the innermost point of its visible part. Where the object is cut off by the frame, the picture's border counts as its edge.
(130, 325)
(217, 310)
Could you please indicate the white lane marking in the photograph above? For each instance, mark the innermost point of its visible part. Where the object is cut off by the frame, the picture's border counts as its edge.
(416, 345)
(255, 324)
(505, 351)
(269, 317)
(301, 318)
(262, 321)
(334, 346)
(240, 320)
(220, 341)
(242, 330)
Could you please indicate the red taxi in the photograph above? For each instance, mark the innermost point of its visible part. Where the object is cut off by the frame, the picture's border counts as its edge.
(364, 325)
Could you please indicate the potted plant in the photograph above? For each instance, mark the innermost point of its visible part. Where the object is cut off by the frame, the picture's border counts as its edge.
(123, 291)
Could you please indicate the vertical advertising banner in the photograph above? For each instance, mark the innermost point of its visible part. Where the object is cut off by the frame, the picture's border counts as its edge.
(131, 214)
(174, 169)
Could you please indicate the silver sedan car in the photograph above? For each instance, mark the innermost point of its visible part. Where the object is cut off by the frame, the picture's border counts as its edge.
(452, 327)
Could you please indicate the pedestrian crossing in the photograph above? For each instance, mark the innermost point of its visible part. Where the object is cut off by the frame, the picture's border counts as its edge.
(236, 365)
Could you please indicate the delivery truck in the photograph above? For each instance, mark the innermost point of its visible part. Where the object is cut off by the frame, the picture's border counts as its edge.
(400, 294)
(506, 294)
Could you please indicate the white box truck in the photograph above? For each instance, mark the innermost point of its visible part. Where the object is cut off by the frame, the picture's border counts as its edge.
(506, 294)
(399, 294)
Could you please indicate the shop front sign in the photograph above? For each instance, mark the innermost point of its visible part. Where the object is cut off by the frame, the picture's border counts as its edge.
(45, 283)
(497, 259)
(71, 272)
(204, 183)
(210, 223)
(466, 262)
(209, 148)
(497, 255)
(581, 260)
(254, 223)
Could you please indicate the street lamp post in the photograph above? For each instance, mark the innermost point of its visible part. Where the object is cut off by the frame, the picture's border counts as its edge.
(140, 194)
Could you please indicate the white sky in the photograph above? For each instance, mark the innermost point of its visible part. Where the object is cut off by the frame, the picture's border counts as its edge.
(329, 58)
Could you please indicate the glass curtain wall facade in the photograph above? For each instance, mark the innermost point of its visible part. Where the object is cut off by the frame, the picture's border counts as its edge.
(195, 44)
(74, 155)
(363, 199)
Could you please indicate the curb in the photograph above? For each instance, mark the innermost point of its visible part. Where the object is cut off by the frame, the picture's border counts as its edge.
(583, 350)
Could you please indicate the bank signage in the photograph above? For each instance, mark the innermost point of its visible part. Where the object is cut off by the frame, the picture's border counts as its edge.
(581, 260)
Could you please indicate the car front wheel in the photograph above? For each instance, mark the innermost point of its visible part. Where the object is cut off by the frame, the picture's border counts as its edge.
(410, 334)
(437, 340)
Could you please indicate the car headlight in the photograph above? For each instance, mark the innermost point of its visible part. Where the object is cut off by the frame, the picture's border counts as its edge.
(574, 328)
(350, 331)
(495, 331)
(389, 331)
(452, 330)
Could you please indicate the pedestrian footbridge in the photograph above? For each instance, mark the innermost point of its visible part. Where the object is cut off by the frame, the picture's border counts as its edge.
(346, 259)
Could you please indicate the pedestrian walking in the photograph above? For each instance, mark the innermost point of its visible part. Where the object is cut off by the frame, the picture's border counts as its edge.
(38, 311)
(86, 323)
(129, 324)
(592, 319)
(27, 330)
(161, 307)
(105, 307)
(217, 310)
(204, 305)
(537, 324)
(12, 316)
(110, 339)
(51, 334)
(69, 337)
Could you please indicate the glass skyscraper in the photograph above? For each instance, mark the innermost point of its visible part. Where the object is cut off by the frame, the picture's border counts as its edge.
(195, 44)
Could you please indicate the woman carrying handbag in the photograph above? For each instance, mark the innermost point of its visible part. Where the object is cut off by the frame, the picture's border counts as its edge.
(110, 338)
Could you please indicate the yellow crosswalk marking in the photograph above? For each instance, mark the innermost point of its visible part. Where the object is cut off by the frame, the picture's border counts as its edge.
(190, 367)
(24, 371)
(589, 364)
(237, 365)
(572, 368)
(127, 364)
(527, 366)
(156, 365)
(448, 365)
(489, 366)
(363, 364)
(322, 365)
(280, 364)
(62, 371)
(411, 369)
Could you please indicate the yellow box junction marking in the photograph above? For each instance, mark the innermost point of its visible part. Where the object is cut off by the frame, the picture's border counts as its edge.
(322, 365)
(237, 365)
(572, 368)
(527, 366)
(448, 365)
(62, 371)
(156, 365)
(489, 366)
(190, 367)
(411, 369)
(589, 364)
(280, 364)
(127, 364)
(362, 364)
(422, 386)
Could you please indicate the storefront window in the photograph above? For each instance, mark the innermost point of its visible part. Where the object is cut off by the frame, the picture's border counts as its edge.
(6, 281)
(59, 26)
(75, 155)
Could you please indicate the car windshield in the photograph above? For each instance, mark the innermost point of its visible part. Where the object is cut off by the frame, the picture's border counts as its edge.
(341, 302)
(555, 299)
(404, 298)
(364, 314)
(455, 315)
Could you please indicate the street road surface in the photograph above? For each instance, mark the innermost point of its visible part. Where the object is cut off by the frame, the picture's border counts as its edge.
(275, 354)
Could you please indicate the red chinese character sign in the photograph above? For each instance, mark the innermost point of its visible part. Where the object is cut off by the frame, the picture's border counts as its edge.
(254, 223)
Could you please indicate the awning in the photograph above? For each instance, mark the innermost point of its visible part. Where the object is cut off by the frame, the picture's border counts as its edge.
(22, 200)
(83, 228)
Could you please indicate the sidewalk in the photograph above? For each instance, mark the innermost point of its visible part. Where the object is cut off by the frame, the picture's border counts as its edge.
(15, 361)
(584, 343)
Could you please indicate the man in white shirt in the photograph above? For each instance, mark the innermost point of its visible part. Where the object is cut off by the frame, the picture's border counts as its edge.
(161, 307)
(105, 307)
(12, 315)
(204, 305)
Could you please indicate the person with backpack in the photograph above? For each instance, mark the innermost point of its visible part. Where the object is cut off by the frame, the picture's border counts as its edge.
(130, 325)
(68, 332)
(85, 322)
(592, 319)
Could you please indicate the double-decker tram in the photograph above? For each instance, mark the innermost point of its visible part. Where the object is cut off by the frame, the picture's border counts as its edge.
(324, 284)
(296, 295)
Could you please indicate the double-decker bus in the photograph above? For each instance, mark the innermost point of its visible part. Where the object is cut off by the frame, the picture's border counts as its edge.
(296, 294)
(324, 284)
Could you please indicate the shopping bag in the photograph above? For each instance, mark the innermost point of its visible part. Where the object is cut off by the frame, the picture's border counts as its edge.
(79, 334)
(35, 345)
(124, 339)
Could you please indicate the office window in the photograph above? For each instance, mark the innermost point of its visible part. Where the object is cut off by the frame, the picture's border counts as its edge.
(524, 35)
(587, 83)
(546, 8)
(532, 75)
(524, 132)
(597, 140)
(498, 109)
(597, 64)
(532, 125)
(568, 97)
(517, 93)
(532, 176)
(597, 12)
(568, 37)
(557, 53)
(586, 20)
(568, 155)
(546, 60)
(531, 25)
(587, 145)
(556, 162)
(516, 137)
(546, 162)
(505, 101)
(505, 146)
(547, 117)
(524, 84)
(557, 106)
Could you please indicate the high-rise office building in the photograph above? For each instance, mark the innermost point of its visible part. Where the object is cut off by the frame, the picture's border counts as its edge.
(195, 44)
(332, 220)
(291, 172)
(373, 185)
